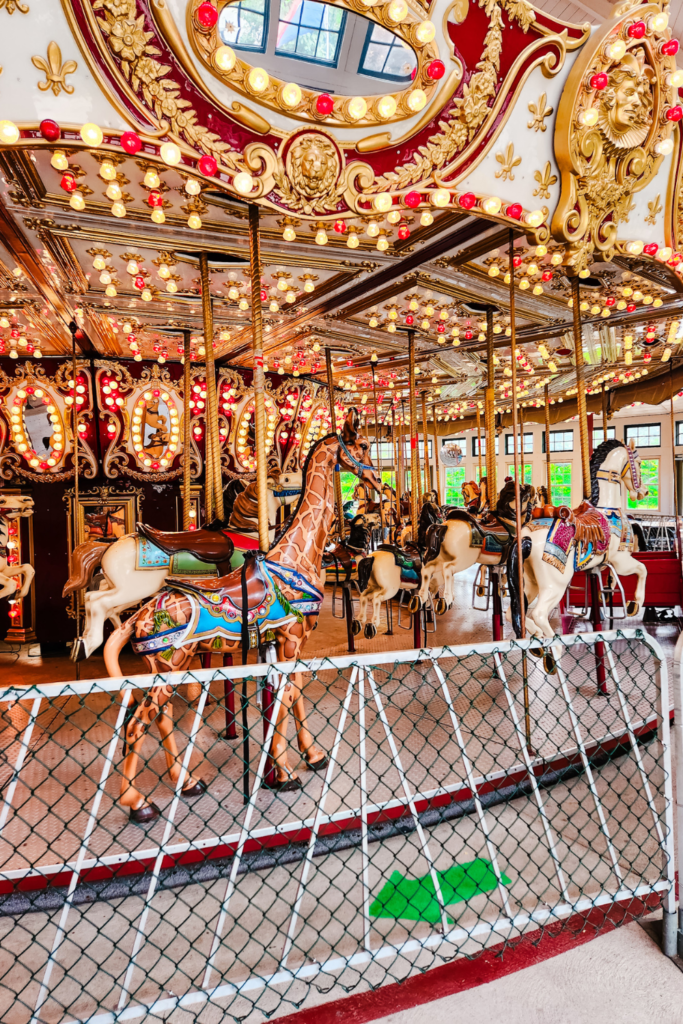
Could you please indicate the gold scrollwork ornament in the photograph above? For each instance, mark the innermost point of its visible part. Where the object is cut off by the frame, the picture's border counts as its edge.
(610, 120)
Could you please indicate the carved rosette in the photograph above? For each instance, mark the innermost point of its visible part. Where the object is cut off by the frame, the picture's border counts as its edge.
(611, 121)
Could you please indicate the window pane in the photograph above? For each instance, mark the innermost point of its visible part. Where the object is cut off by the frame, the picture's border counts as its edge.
(455, 478)
(348, 485)
(561, 483)
(310, 29)
(561, 440)
(475, 445)
(527, 472)
(679, 431)
(645, 435)
(243, 24)
(649, 469)
(510, 444)
(599, 435)
(386, 54)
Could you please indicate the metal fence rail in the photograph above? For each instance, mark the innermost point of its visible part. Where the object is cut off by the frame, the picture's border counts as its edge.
(472, 795)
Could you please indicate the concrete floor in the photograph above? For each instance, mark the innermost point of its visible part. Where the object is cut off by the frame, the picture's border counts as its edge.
(618, 978)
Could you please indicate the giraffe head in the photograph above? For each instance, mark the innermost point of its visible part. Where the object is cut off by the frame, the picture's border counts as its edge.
(354, 452)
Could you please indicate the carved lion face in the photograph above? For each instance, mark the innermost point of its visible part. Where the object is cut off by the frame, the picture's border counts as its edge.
(313, 164)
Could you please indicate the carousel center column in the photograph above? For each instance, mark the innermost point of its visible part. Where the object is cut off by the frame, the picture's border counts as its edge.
(214, 481)
(258, 379)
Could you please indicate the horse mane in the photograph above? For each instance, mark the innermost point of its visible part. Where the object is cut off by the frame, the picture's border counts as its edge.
(304, 475)
(245, 509)
(597, 458)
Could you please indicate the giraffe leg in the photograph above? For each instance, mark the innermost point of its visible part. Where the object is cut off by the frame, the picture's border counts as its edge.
(164, 721)
(314, 755)
(141, 812)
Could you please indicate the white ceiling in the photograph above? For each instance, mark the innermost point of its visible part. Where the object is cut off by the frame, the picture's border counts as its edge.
(597, 11)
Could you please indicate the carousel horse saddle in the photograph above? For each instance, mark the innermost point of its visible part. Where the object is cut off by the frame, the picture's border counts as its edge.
(230, 586)
(488, 532)
(409, 562)
(586, 527)
(205, 545)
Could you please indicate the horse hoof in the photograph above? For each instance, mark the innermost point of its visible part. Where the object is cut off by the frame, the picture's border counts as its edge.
(549, 664)
(414, 604)
(370, 631)
(632, 608)
(198, 789)
(440, 606)
(356, 627)
(78, 650)
(537, 652)
(287, 786)
(318, 766)
(144, 815)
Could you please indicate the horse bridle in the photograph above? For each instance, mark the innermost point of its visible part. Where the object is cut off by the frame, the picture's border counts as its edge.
(359, 465)
(613, 477)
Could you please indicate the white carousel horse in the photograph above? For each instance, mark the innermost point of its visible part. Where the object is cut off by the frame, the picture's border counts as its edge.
(546, 581)
(13, 507)
(125, 584)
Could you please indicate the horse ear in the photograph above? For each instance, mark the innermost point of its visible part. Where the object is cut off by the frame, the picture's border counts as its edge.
(632, 444)
(350, 428)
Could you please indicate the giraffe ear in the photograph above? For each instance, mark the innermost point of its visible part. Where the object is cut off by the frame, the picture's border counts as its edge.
(350, 428)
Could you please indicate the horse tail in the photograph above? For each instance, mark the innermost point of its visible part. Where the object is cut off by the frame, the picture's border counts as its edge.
(435, 535)
(115, 644)
(365, 572)
(638, 531)
(513, 583)
(84, 560)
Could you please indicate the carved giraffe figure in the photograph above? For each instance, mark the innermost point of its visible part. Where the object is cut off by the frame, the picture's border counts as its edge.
(296, 561)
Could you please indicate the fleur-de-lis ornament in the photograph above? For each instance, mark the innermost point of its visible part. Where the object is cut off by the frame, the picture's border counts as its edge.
(540, 111)
(508, 162)
(654, 208)
(13, 5)
(545, 179)
(55, 72)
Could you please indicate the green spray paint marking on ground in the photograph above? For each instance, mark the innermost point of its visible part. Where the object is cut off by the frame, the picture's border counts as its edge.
(415, 899)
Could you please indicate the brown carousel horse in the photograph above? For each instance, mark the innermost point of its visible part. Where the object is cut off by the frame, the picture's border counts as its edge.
(210, 616)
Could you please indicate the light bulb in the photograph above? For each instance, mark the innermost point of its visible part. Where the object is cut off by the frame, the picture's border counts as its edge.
(290, 95)
(289, 234)
(243, 304)
(171, 287)
(59, 160)
(273, 307)
(132, 267)
(589, 116)
(243, 183)
(99, 263)
(616, 49)
(146, 295)
(321, 237)
(441, 197)
(258, 80)
(9, 133)
(494, 271)
(665, 146)
(77, 202)
(290, 296)
(373, 229)
(118, 209)
(397, 11)
(192, 187)
(158, 215)
(491, 205)
(386, 107)
(194, 221)
(426, 218)
(416, 100)
(114, 191)
(224, 58)
(164, 272)
(382, 202)
(535, 218)
(92, 135)
(309, 286)
(110, 291)
(152, 179)
(357, 108)
(634, 248)
(170, 154)
(105, 277)
(107, 170)
(658, 22)
(425, 32)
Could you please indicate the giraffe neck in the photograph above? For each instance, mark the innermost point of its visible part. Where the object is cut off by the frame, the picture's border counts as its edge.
(303, 544)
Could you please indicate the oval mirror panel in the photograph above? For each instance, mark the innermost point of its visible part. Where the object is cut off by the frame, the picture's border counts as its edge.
(319, 46)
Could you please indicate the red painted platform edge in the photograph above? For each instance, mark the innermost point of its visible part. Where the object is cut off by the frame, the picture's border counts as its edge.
(462, 974)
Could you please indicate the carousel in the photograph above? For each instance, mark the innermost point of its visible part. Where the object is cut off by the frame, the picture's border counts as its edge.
(285, 286)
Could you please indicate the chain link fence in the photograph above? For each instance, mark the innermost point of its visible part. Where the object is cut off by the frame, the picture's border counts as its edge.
(471, 796)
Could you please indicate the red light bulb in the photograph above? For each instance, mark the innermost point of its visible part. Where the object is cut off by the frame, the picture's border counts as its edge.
(637, 30)
(610, 301)
(516, 261)
(547, 275)
(436, 69)
(264, 295)
(403, 231)
(410, 320)
(413, 199)
(324, 104)
(440, 328)
(139, 283)
(599, 81)
(631, 307)
(674, 113)
(514, 210)
(68, 183)
(340, 226)
(208, 165)
(206, 15)
(50, 130)
(670, 48)
(651, 249)
(467, 200)
(155, 199)
(131, 143)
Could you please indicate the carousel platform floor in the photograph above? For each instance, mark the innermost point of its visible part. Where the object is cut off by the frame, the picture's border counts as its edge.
(51, 803)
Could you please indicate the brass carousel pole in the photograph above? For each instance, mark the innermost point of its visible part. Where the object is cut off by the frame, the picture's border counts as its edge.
(596, 617)
(479, 441)
(74, 458)
(425, 445)
(414, 462)
(187, 431)
(333, 420)
(603, 398)
(437, 475)
(547, 446)
(673, 458)
(395, 443)
(401, 456)
(258, 379)
(214, 483)
(379, 460)
(518, 510)
(581, 391)
(490, 409)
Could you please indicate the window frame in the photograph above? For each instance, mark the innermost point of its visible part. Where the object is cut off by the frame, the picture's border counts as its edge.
(640, 426)
(639, 505)
(266, 29)
(300, 56)
(557, 451)
(610, 437)
(405, 79)
(475, 453)
(526, 451)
